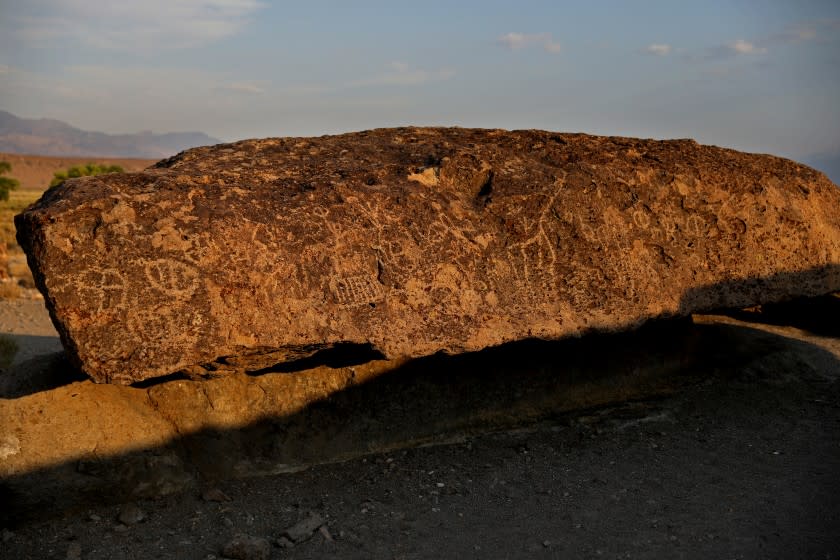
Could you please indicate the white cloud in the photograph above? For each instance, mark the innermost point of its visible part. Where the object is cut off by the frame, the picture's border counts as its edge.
(741, 46)
(818, 30)
(243, 87)
(732, 49)
(303, 90)
(801, 34)
(22, 84)
(150, 24)
(515, 41)
(552, 46)
(399, 67)
(401, 74)
(659, 49)
(123, 98)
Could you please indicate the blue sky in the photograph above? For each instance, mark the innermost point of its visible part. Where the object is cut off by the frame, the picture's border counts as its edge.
(759, 76)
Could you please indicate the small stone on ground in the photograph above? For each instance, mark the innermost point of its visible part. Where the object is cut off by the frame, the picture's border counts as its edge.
(304, 529)
(131, 514)
(247, 547)
(215, 495)
(74, 551)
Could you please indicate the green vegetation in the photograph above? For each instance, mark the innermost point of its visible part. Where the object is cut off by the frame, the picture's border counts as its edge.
(7, 184)
(84, 171)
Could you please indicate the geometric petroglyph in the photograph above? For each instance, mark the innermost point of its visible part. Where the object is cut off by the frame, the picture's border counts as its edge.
(688, 224)
(535, 274)
(173, 278)
(107, 288)
(355, 290)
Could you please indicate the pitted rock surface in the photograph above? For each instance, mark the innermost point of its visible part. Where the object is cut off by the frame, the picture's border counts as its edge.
(416, 241)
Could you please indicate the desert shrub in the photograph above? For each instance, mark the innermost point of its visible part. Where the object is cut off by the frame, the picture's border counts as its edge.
(9, 289)
(19, 270)
(7, 184)
(84, 171)
(18, 201)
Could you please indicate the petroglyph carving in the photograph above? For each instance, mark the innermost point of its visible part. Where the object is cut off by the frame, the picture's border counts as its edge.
(641, 218)
(105, 288)
(417, 241)
(356, 290)
(173, 278)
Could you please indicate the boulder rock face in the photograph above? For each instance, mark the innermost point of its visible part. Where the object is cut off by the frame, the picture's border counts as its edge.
(416, 241)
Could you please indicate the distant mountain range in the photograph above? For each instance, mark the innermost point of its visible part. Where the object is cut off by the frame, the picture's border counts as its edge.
(50, 137)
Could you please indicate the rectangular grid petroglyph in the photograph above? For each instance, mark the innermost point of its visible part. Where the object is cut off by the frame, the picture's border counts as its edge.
(355, 290)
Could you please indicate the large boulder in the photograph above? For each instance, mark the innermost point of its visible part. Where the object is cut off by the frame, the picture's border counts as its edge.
(415, 241)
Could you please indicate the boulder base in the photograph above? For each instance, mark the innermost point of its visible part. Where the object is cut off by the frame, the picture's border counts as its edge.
(415, 241)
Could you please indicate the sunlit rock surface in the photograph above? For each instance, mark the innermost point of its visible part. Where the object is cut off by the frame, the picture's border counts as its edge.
(414, 241)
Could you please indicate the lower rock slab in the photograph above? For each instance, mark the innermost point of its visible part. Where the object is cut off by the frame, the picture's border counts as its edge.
(80, 443)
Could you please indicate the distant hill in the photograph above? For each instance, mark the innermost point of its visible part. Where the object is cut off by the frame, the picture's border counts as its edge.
(50, 137)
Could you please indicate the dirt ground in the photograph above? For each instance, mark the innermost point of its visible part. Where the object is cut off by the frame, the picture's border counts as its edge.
(742, 464)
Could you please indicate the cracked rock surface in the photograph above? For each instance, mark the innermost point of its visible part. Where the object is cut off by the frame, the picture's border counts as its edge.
(413, 241)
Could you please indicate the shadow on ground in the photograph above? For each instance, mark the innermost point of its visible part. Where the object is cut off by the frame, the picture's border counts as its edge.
(425, 401)
(67, 443)
(39, 373)
(820, 315)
